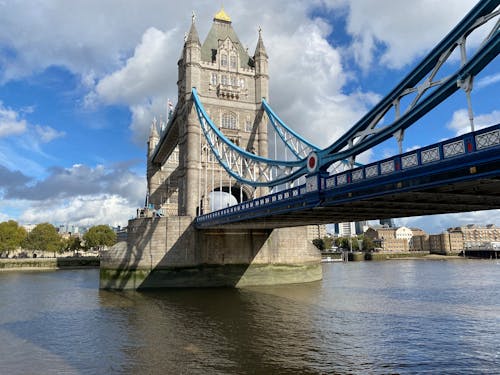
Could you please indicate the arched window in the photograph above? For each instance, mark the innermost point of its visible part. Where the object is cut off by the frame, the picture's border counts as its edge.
(229, 120)
(223, 59)
(232, 61)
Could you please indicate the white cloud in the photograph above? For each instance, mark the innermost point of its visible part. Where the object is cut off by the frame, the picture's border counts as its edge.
(433, 224)
(80, 195)
(144, 74)
(460, 123)
(488, 80)
(399, 31)
(84, 210)
(47, 134)
(10, 123)
(126, 52)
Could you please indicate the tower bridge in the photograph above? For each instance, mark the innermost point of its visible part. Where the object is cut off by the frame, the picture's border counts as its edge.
(217, 140)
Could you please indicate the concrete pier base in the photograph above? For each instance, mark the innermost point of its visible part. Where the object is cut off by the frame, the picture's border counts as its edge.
(170, 252)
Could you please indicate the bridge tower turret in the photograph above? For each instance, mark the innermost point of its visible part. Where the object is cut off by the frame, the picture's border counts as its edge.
(164, 248)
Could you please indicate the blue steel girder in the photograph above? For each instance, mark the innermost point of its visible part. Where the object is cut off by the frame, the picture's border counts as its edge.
(245, 167)
(443, 171)
(299, 146)
(364, 134)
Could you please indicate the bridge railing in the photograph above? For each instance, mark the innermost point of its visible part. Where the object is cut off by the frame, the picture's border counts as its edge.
(446, 150)
(458, 146)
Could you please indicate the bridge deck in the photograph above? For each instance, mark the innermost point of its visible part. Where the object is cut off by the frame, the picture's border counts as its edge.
(458, 175)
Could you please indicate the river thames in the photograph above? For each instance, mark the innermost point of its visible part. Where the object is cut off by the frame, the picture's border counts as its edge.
(391, 317)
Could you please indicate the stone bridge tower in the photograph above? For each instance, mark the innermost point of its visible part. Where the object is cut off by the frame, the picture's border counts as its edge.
(166, 250)
(231, 85)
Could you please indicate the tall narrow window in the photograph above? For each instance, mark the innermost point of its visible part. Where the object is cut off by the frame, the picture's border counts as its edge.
(223, 79)
(223, 59)
(232, 61)
(248, 124)
(213, 80)
(242, 83)
(234, 81)
(229, 120)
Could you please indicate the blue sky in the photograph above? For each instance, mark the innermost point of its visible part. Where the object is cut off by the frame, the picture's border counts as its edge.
(80, 82)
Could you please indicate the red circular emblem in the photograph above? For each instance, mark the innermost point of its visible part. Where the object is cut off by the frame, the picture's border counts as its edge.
(312, 162)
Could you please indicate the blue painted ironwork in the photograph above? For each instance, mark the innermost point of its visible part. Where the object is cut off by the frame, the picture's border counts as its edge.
(255, 170)
(299, 146)
(363, 135)
(340, 187)
(240, 164)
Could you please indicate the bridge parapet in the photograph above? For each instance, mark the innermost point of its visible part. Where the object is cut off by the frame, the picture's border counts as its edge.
(444, 156)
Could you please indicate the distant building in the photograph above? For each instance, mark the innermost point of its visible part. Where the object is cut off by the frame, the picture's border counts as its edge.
(398, 240)
(316, 231)
(387, 222)
(455, 240)
(446, 243)
(345, 229)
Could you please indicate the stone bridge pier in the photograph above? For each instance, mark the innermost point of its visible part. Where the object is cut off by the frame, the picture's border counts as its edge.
(170, 252)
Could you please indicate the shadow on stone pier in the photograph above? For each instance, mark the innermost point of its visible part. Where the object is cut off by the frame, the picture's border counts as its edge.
(170, 252)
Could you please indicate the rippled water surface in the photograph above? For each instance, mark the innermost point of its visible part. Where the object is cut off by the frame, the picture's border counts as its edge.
(393, 317)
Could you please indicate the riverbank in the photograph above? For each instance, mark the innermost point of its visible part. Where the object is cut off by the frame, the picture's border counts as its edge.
(30, 264)
(422, 255)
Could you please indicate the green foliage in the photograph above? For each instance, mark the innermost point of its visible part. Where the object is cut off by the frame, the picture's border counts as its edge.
(72, 244)
(99, 236)
(368, 243)
(323, 243)
(347, 242)
(11, 236)
(328, 242)
(319, 243)
(43, 237)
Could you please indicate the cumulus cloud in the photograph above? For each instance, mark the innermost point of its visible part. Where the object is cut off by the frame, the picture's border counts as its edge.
(393, 30)
(81, 180)
(10, 122)
(460, 123)
(307, 77)
(80, 194)
(437, 223)
(10, 179)
(98, 209)
(128, 56)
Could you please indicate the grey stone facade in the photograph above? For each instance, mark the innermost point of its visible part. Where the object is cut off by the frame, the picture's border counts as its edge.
(231, 85)
(166, 250)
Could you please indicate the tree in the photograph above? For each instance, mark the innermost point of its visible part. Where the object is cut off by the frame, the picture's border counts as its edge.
(11, 236)
(43, 237)
(319, 243)
(73, 243)
(99, 236)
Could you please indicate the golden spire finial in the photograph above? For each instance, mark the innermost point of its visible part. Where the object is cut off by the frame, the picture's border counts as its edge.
(222, 16)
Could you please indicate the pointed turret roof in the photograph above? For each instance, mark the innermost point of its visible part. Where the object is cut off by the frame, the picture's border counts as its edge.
(260, 49)
(153, 133)
(193, 33)
(221, 30)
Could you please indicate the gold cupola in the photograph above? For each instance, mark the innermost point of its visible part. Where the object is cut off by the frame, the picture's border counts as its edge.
(222, 16)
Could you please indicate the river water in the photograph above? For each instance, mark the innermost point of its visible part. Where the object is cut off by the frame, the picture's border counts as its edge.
(391, 317)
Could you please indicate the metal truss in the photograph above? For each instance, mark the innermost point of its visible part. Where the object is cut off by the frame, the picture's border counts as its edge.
(422, 84)
(242, 165)
(299, 146)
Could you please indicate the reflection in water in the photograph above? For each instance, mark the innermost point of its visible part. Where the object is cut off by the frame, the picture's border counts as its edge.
(367, 317)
